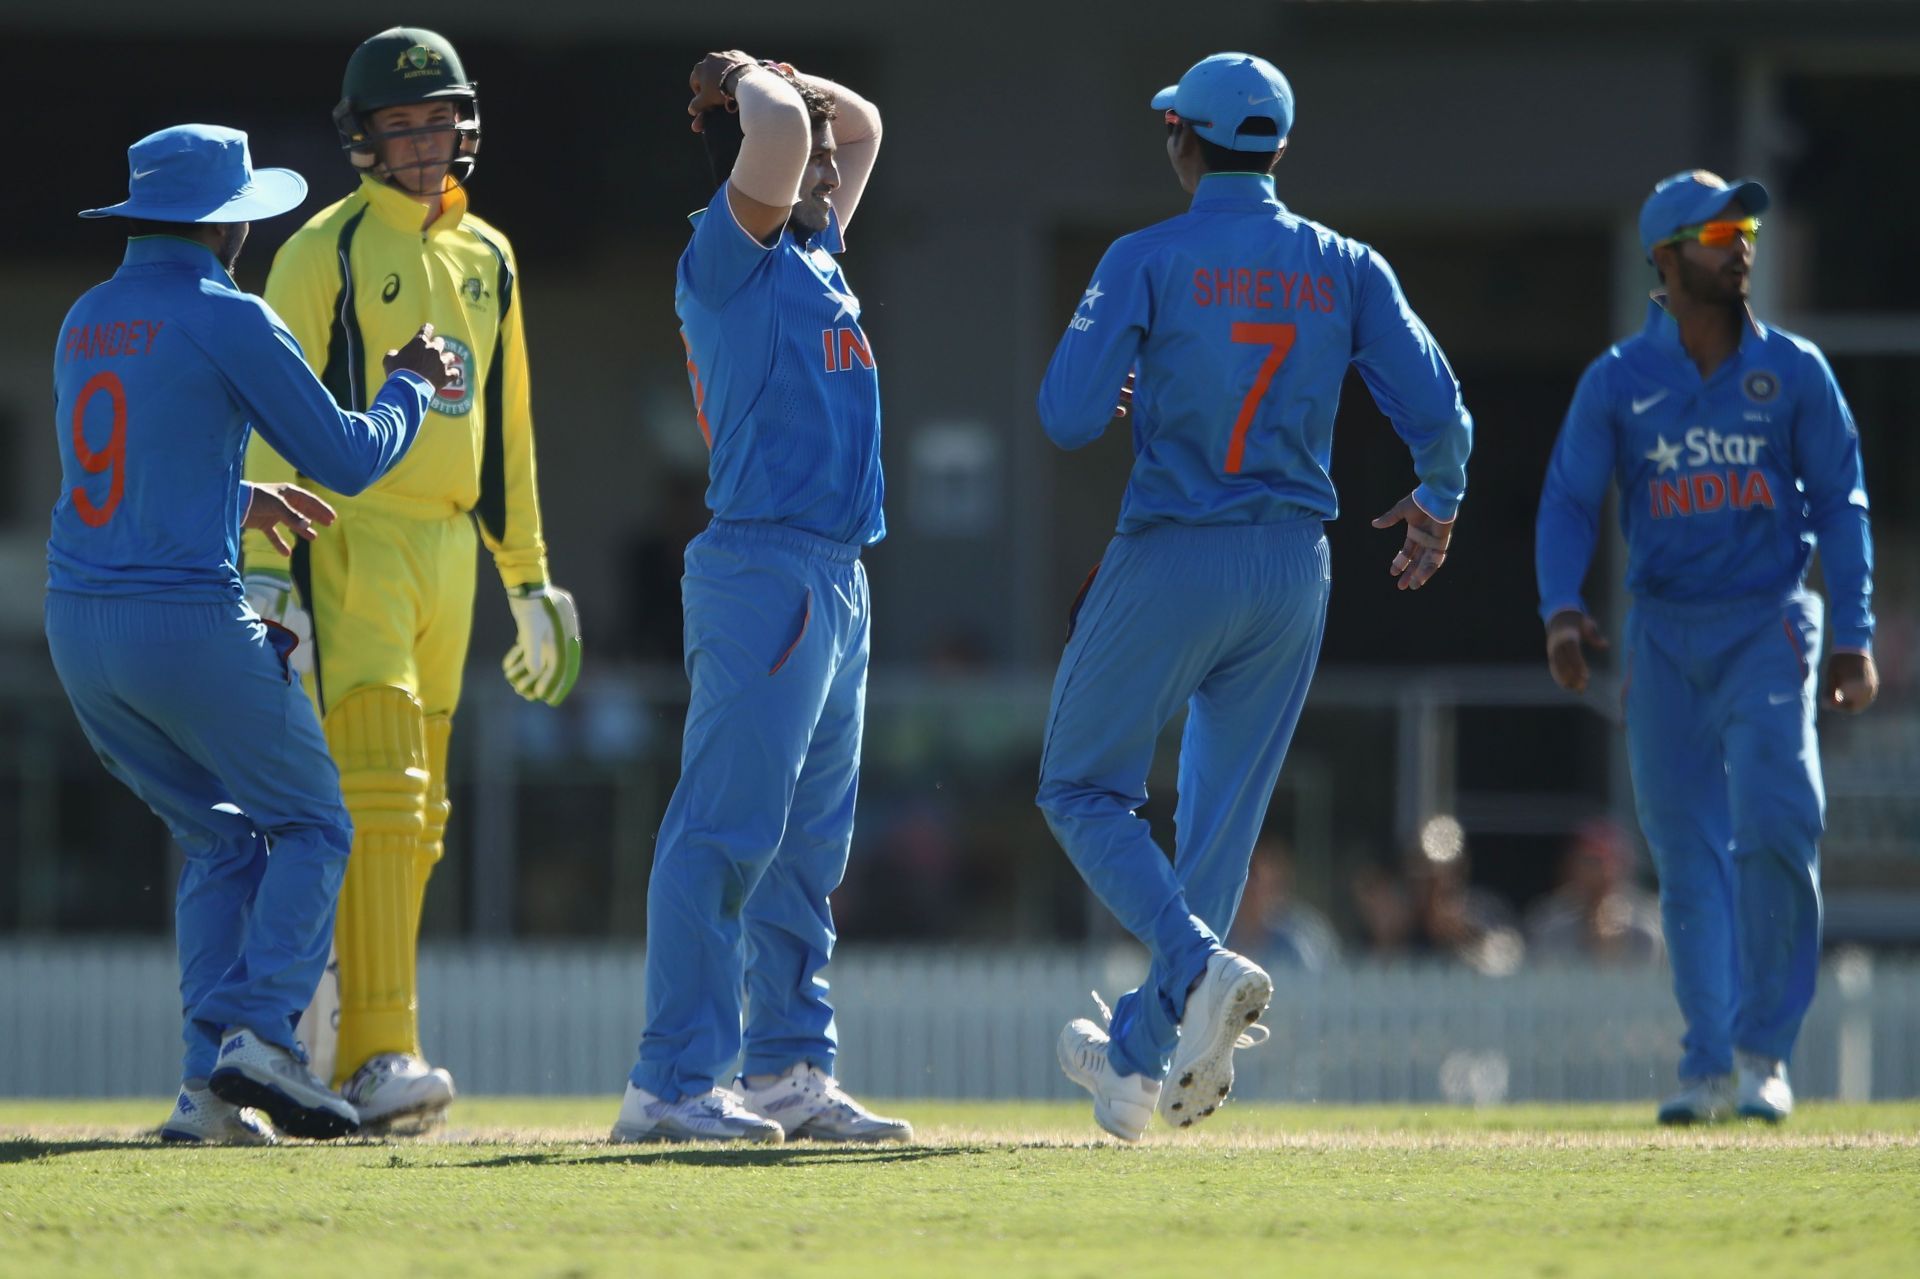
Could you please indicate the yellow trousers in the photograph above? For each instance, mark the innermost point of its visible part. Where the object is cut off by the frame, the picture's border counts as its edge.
(392, 604)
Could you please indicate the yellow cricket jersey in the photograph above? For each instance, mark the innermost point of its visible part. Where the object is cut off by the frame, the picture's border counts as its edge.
(357, 281)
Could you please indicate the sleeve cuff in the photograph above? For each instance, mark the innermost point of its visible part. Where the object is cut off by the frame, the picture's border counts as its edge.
(1446, 510)
(1574, 605)
(415, 380)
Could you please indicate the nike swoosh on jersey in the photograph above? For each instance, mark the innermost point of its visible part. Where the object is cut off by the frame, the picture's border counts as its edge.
(1641, 406)
(1781, 699)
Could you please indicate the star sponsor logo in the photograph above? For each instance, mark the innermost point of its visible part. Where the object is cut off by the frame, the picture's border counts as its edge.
(1710, 482)
(849, 304)
(1089, 298)
(455, 399)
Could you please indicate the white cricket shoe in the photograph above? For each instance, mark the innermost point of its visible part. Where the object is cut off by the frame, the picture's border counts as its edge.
(1699, 1101)
(399, 1094)
(1122, 1104)
(716, 1115)
(1223, 1013)
(1763, 1090)
(200, 1118)
(252, 1072)
(809, 1103)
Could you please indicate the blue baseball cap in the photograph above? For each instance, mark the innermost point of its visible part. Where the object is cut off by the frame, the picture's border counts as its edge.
(1690, 198)
(201, 173)
(1220, 94)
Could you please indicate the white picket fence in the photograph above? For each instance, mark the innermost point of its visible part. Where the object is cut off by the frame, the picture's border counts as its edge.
(99, 1019)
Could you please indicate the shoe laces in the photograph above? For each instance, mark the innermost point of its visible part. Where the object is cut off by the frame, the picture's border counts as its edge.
(1106, 1013)
(1253, 1036)
(720, 1104)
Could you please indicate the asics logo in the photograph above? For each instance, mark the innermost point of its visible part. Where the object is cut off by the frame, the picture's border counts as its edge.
(1642, 405)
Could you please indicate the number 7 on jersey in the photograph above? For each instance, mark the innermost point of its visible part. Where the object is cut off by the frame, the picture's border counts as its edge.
(1278, 339)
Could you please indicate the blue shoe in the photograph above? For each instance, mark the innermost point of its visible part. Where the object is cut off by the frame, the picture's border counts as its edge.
(252, 1072)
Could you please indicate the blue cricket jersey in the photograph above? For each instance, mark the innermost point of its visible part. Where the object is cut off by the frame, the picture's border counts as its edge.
(1726, 483)
(1239, 320)
(783, 379)
(159, 376)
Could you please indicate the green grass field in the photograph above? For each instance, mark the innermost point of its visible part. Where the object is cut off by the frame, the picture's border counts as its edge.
(526, 1187)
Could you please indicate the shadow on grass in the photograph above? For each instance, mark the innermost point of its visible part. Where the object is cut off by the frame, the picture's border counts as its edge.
(24, 1150)
(731, 1157)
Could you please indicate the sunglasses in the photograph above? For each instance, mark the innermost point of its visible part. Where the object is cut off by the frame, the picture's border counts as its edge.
(1174, 119)
(1717, 235)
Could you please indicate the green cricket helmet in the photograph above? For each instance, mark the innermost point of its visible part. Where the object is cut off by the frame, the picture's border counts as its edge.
(404, 65)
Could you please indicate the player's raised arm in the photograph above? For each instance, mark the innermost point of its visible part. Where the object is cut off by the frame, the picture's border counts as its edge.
(342, 450)
(856, 139)
(1093, 364)
(776, 138)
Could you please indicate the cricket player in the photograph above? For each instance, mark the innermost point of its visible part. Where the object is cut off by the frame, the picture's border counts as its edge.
(1225, 332)
(160, 375)
(756, 835)
(1735, 455)
(389, 596)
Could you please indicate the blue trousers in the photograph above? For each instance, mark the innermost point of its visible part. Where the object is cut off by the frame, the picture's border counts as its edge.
(1726, 778)
(192, 707)
(1227, 621)
(756, 835)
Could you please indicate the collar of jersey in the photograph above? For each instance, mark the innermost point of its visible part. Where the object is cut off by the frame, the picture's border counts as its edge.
(161, 250)
(1664, 331)
(1235, 191)
(401, 211)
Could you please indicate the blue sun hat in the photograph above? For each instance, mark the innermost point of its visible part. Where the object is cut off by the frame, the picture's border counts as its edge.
(1220, 94)
(1690, 198)
(201, 173)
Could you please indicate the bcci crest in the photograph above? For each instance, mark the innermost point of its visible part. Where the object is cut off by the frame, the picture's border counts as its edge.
(456, 397)
(1761, 386)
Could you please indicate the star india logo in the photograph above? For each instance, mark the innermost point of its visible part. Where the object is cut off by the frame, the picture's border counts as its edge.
(1088, 299)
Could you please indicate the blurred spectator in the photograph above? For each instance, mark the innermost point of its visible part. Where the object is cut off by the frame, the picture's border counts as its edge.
(1597, 914)
(1433, 910)
(1273, 926)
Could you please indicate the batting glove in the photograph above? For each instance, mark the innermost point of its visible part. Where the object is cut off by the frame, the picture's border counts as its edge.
(270, 594)
(543, 665)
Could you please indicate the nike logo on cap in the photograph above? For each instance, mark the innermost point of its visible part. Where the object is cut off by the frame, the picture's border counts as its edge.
(1641, 406)
(1254, 102)
(144, 173)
